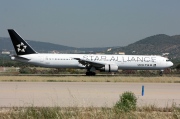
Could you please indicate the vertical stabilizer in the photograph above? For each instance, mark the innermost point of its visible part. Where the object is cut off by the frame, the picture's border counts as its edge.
(21, 46)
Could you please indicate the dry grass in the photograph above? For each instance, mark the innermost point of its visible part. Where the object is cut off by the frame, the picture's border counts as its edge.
(89, 79)
(84, 113)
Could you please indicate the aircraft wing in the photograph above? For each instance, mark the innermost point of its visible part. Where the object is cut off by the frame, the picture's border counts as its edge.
(88, 62)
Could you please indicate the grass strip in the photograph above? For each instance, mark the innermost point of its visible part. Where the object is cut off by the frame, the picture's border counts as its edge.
(89, 79)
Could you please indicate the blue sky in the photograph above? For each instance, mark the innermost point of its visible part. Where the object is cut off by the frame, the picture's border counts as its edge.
(89, 23)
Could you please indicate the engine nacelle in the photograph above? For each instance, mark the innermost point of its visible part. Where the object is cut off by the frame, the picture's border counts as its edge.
(110, 68)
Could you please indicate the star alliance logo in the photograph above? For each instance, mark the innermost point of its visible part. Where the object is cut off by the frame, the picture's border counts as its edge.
(21, 47)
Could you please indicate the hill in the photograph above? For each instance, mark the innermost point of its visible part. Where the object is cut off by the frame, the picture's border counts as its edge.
(153, 45)
(44, 47)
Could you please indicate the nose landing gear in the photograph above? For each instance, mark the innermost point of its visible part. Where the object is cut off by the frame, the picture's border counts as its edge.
(161, 73)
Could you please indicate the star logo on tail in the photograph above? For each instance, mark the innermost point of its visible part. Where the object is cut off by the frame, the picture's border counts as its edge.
(21, 47)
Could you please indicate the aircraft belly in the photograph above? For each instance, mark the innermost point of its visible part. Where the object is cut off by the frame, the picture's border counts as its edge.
(139, 66)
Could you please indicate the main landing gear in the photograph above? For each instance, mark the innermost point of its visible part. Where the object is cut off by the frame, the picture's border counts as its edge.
(89, 73)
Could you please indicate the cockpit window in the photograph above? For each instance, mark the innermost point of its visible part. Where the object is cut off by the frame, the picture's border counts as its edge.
(167, 60)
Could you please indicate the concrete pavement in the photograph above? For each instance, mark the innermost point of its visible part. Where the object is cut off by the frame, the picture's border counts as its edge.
(83, 94)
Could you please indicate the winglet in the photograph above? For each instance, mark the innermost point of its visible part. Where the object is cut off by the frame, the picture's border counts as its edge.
(21, 46)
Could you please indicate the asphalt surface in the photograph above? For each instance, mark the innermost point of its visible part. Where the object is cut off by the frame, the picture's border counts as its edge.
(83, 94)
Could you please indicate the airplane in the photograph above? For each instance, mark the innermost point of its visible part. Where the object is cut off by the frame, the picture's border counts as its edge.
(91, 62)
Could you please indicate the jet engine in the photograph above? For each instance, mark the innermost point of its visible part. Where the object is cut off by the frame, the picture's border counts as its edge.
(110, 68)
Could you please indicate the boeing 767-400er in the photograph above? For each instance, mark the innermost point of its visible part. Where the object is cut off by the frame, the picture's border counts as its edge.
(91, 62)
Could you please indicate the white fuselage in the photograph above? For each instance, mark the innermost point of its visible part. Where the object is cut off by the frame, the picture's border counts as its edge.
(139, 62)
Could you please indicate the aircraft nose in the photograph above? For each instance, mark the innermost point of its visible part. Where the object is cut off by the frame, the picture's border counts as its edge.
(171, 64)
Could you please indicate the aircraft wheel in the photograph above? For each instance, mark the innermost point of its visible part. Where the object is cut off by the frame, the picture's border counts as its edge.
(160, 73)
(87, 73)
(93, 73)
(90, 73)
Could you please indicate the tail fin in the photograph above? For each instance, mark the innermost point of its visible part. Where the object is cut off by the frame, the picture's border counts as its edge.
(21, 46)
